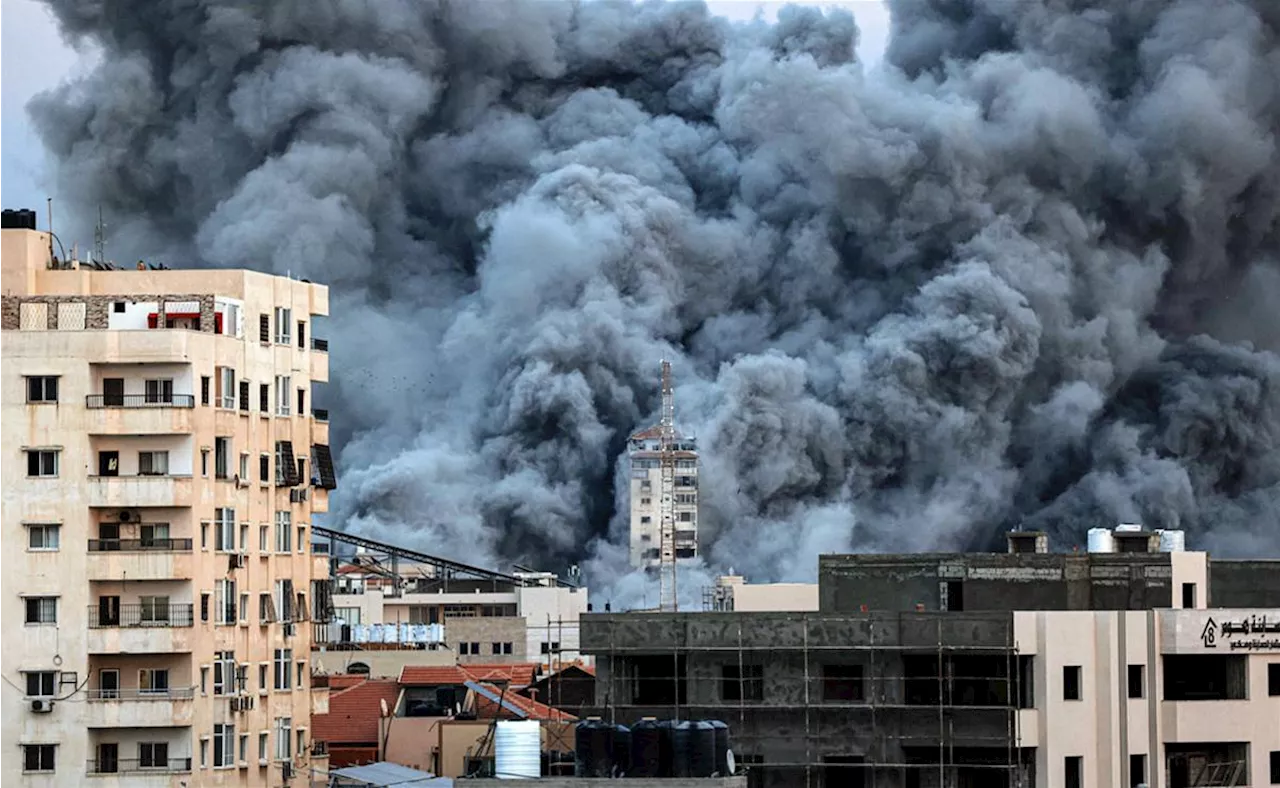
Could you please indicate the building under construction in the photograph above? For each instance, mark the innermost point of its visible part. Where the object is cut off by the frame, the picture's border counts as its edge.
(1078, 670)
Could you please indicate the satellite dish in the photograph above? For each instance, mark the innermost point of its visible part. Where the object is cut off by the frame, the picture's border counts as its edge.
(729, 759)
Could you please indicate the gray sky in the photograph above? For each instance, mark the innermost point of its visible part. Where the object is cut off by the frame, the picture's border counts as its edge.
(33, 58)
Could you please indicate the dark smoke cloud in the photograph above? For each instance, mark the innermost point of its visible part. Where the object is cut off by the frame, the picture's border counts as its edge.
(1022, 273)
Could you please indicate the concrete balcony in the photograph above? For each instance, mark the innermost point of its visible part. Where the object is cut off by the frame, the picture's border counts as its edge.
(319, 426)
(139, 414)
(136, 559)
(132, 772)
(133, 708)
(319, 360)
(141, 629)
(129, 492)
(1197, 721)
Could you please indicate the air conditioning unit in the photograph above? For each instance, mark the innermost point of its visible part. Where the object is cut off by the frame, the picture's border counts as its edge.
(241, 482)
(246, 702)
(241, 560)
(42, 705)
(235, 705)
(127, 516)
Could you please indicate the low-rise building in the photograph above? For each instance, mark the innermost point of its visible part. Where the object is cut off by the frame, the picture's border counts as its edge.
(1084, 670)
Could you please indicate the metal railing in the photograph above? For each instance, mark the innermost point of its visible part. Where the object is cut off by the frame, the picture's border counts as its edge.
(320, 414)
(133, 693)
(140, 401)
(136, 766)
(320, 344)
(129, 616)
(139, 545)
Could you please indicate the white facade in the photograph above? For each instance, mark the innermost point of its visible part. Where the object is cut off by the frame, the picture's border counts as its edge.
(645, 489)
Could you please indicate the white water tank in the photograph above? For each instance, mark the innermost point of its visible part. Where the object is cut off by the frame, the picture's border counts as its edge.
(518, 750)
(1101, 541)
(1128, 528)
(1173, 541)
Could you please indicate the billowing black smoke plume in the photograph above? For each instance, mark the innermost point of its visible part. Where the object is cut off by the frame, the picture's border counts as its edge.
(1024, 273)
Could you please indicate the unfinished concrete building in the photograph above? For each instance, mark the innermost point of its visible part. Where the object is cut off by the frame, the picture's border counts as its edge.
(1077, 670)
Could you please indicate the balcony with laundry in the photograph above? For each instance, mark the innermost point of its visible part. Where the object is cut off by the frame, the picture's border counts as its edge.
(141, 471)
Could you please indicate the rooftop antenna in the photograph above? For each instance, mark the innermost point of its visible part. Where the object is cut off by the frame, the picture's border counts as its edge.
(100, 238)
(668, 600)
(49, 221)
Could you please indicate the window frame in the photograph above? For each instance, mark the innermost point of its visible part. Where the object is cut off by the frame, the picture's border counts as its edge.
(43, 383)
(39, 620)
(38, 456)
(44, 528)
(41, 749)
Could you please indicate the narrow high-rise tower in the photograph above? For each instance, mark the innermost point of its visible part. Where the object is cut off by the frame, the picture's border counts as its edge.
(648, 448)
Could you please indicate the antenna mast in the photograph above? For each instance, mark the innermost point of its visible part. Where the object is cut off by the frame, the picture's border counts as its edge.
(667, 523)
(99, 239)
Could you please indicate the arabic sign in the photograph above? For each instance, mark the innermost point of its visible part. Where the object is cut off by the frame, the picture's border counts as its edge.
(1221, 631)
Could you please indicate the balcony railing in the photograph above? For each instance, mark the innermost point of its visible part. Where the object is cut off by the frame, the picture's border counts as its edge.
(139, 545)
(320, 344)
(132, 693)
(140, 401)
(319, 748)
(130, 616)
(135, 766)
(320, 414)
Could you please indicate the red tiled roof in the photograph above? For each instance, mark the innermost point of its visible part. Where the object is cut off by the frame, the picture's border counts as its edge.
(431, 675)
(518, 674)
(341, 681)
(354, 712)
(485, 708)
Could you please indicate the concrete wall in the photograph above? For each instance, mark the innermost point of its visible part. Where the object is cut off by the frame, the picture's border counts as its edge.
(1249, 583)
(79, 503)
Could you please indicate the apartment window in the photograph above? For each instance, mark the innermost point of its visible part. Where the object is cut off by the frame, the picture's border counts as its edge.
(222, 458)
(645, 501)
(1275, 767)
(158, 391)
(1071, 682)
(204, 536)
(264, 397)
(244, 537)
(224, 671)
(264, 468)
(244, 396)
(204, 679)
(302, 334)
(41, 610)
(282, 395)
(204, 389)
(204, 607)
(1188, 595)
(284, 322)
(264, 329)
(38, 757)
(264, 538)
(645, 520)
(224, 530)
(227, 388)
(224, 744)
(153, 463)
(204, 752)
(1137, 770)
(742, 683)
(280, 668)
(244, 608)
(464, 648)
(224, 601)
(262, 678)
(153, 755)
(42, 683)
(842, 683)
(42, 388)
(42, 537)
(244, 748)
(302, 401)
(284, 532)
(302, 537)
(506, 647)
(204, 463)
(298, 679)
(686, 517)
(262, 747)
(284, 600)
(42, 462)
(1074, 767)
(1137, 674)
(154, 681)
(284, 738)
(153, 609)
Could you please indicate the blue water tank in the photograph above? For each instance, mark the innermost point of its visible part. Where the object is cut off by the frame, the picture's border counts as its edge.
(722, 747)
(593, 749)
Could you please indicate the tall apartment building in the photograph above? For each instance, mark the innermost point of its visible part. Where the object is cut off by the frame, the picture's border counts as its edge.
(162, 465)
(646, 483)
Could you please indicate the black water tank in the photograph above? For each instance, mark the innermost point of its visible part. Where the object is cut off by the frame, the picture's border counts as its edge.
(722, 747)
(24, 219)
(650, 749)
(693, 750)
(621, 750)
(593, 749)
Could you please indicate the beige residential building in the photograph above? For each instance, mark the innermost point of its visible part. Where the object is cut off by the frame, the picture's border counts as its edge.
(162, 464)
(733, 592)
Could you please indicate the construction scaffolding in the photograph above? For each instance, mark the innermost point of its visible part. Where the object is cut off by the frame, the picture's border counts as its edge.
(824, 711)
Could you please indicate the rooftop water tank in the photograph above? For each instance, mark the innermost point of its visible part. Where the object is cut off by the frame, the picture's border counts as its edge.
(518, 750)
(650, 749)
(693, 749)
(1128, 528)
(1173, 541)
(593, 748)
(722, 747)
(1101, 541)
